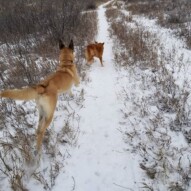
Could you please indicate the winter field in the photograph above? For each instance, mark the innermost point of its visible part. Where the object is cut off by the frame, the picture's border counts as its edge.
(126, 127)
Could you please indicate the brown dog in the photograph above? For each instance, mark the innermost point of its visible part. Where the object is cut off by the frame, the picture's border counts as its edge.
(46, 92)
(94, 50)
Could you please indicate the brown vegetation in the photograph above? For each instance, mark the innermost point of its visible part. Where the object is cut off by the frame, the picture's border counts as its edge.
(169, 13)
(148, 134)
(28, 52)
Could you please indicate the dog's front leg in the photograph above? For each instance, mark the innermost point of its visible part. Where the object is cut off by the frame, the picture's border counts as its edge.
(76, 80)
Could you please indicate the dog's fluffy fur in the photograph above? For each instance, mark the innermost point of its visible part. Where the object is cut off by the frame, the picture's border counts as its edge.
(46, 92)
(94, 50)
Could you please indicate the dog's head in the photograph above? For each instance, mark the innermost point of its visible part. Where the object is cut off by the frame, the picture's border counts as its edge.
(99, 44)
(66, 56)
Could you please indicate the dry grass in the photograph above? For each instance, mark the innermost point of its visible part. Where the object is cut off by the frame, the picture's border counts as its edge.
(149, 134)
(169, 13)
(25, 63)
(133, 42)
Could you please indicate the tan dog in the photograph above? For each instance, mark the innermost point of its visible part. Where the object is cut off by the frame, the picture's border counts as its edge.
(46, 92)
(94, 50)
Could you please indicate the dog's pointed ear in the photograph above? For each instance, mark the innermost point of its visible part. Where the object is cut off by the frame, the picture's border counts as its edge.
(71, 45)
(61, 45)
(96, 42)
(103, 43)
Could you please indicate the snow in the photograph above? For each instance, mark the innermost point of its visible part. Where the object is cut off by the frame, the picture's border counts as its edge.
(99, 162)
(103, 159)
(139, 109)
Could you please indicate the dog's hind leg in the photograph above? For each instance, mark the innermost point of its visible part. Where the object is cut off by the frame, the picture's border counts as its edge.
(90, 60)
(88, 56)
(101, 61)
(46, 105)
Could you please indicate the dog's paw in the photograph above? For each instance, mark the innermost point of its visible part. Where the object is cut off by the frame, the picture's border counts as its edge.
(77, 83)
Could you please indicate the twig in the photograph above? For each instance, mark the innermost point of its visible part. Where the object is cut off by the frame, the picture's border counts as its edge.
(74, 185)
(123, 187)
(6, 165)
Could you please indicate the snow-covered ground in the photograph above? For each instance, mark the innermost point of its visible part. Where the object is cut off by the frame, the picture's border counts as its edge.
(150, 130)
(99, 162)
(113, 125)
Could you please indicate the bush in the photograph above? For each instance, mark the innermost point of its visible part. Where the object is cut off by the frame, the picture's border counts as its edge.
(91, 6)
(29, 51)
(173, 14)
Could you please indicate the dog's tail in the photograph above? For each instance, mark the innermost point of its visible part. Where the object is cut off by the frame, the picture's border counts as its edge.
(27, 93)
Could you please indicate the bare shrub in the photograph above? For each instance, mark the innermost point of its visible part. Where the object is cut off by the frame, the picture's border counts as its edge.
(135, 39)
(112, 13)
(149, 131)
(53, 20)
(91, 6)
(28, 53)
(170, 13)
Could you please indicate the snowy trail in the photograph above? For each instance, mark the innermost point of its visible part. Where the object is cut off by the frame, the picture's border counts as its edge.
(99, 162)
